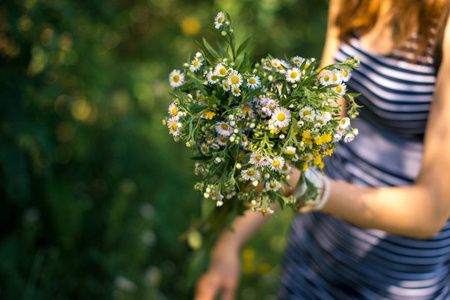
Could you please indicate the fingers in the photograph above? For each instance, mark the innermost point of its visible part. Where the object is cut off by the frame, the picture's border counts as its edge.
(207, 287)
(229, 290)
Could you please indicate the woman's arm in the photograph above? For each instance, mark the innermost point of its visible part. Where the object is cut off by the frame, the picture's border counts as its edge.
(418, 211)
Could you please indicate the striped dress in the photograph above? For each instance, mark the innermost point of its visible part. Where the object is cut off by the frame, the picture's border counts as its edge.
(328, 258)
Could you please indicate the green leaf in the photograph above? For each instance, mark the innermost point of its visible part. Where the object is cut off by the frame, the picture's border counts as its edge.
(211, 49)
(242, 46)
(199, 85)
(197, 108)
(208, 207)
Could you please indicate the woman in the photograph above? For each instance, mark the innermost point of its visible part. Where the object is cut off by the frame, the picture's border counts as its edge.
(393, 178)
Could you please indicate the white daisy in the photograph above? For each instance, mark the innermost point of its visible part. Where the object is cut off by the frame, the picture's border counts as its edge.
(273, 185)
(265, 161)
(173, 110)
(281, 117)
(226, 86)
(340, 130)
(275, 63)
(308, 62)
(212, 77)
(216, 195)
(256, 158)
(322, 118)
(253, 82)
(236, 91)
(220, 70)
(282, 67)
(336, 77)
(293, 75)
(204, 148)
(209, 138)
(247, 109)
(298, 60)
(267, 65)
(174, 126)
(340, 89)
(349, 137)
(235, 79)
(290, 150)
(224, 129)
(176, 78)
(346, 74)
(277, 163)
(219, 20)
(265, 210)
(251, 174)
(286, 169)
(337, 137)
(326, 79)
(344, 122)
(221, 140)
(196, 64)
(307, 114)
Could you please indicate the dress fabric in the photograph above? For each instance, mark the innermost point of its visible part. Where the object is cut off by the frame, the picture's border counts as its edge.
(328, 258)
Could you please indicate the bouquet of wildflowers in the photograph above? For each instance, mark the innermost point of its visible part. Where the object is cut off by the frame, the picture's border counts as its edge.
(248, 124)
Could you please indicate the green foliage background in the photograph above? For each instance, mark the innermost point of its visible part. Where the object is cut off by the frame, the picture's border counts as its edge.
(94, 193)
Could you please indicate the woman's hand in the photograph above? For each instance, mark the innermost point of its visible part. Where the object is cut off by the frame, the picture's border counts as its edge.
(222, 275)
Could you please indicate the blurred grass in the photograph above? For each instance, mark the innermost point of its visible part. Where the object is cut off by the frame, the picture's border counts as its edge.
(94, 193)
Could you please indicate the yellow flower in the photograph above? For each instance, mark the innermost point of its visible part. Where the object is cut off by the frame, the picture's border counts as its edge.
(326, 137)
(294, 131)
(317, 160)
(321, 165)
(329, 152)
(305, 167)
(316, 152)
(210, 114)
(318, 141)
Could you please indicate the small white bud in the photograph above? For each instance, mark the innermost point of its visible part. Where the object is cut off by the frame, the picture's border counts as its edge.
(238, 166)
(219, 203)
(232, 123)
(231, 117)
(252, 125)
(232, 139)
(227, 22)
(185, 65)
(288, 177)
(300, 123)
(282, 136)
(164, 122)
(208, 190)
(235, 131)
(355, 131)
(217, 160)
(188, 144)
(231, 30)
(229, 196)
(223, 33)
(267, 176)
(198, 54)
(253, 202)
(255, 183)
(206, 195)
(270, 78)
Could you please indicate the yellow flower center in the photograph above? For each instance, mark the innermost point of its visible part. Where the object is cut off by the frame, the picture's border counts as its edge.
(234, 80)
(214, 194)
(205, 148)
(281, 117)
(293, 75)
(275, 64)
(246, 109)
(268, 65)
(226, 85)
(196, 63)
(222, 71)
(339, 89)
(220, 20)
(252, 80)
(289, 152)
(273, 185)
(264, 211)
(224, 126)
(335, 77)
(320, 121)
(258, 157)
(213, 77)
(345, 73)
(280, 67)
(342, 121)
(326, 77)
(285, 168)
(250, 172)
(174, 111)
(174, 126)
(244, 138)
(236, 90)
(208, 137)
(176, 78)
(306, 113)
(306, 158)
(306, 66)
(223, 139)
(276, 163)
